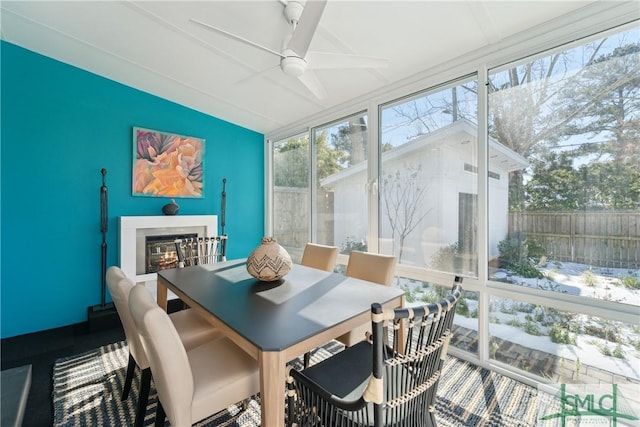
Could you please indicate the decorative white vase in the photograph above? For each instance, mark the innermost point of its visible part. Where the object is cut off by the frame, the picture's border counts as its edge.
(269, 261)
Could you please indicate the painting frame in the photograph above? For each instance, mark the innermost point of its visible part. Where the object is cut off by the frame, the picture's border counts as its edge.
(166, 164)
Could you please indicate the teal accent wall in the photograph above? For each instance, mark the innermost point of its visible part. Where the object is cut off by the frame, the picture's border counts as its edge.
(59, 127)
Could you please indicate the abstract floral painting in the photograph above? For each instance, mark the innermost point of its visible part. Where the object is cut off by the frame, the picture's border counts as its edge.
(166, 164)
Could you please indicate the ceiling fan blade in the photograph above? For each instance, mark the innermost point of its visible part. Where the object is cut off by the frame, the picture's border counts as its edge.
(235, 37)
(326, 60)
(306, 28)
(311, 82)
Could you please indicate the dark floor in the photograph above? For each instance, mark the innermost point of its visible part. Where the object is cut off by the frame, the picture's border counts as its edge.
(40, 350)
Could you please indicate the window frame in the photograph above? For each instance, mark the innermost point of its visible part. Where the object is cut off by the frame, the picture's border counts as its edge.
(586, 24)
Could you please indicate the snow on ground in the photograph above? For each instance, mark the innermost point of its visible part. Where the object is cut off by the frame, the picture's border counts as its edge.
(575, 279)
(584, 350)
(583, 280)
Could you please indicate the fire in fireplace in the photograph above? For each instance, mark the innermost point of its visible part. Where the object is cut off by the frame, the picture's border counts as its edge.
(161, 251)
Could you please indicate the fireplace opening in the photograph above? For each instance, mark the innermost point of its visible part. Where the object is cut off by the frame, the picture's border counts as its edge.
(161, 251)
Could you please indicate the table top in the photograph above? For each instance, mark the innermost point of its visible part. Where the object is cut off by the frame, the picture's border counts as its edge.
(275, 316)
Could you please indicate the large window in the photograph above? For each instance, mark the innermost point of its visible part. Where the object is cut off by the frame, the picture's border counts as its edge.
(524, 178)
(573, 207)
(563, 346)
(319, 189)
(428, 179)
(428, 194)
(291, 199)
(340, 184)
(465, 329)
(570, 121)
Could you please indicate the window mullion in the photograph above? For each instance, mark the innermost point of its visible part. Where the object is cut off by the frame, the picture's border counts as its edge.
(313, 194)
(373, 174)
(483, 223)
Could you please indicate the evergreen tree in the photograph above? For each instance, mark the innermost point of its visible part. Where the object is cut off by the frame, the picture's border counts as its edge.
(291, 161)
(603, 100)
(554, 185)
(589, 115)
(352, 141)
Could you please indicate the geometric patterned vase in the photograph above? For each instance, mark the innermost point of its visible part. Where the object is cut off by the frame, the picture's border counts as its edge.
(269, 261)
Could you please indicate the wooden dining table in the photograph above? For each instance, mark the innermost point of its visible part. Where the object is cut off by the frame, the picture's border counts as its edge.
(275, 322)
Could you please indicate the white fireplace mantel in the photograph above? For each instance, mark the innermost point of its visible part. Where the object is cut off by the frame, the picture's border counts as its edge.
(132, 230)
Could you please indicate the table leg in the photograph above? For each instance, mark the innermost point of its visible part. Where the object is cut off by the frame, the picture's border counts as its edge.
(272, 388)
(161, 292)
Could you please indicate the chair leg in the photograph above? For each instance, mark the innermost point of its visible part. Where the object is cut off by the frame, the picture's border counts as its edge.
(143, 398)
(307, 359)
(160, 415)
(131, 367)
(291, 401)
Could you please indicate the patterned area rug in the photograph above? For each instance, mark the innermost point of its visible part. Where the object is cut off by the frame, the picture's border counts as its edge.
(87, 388)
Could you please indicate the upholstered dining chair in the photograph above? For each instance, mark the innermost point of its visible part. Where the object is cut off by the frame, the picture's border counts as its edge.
(193, 384)
(376, 268)
(382, 382)
(322, 257)
(318, 256)
(192, 329)
(368, 266)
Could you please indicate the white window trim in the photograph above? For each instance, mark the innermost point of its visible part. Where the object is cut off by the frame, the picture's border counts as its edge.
(573, 28)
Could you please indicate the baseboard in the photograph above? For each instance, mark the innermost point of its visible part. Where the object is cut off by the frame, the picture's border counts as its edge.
(101, 318)
(27, 345)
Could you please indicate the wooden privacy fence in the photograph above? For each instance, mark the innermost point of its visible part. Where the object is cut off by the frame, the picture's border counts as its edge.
(292, 211)
(600, 239)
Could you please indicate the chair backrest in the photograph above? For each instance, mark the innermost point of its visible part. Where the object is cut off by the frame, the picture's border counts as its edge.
(409, 370)
(401, 389)
(119, 287)
(318, 256)
(167, 356)
(372, 267)
(115, 274)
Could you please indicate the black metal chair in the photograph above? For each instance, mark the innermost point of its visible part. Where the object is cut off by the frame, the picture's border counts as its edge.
(201, 250)
(384, 382)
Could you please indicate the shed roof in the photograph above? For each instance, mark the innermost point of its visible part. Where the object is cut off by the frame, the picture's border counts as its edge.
(460, 132)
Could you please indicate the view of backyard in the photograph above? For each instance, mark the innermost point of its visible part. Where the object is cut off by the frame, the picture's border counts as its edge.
(574, 342)
(560, 188)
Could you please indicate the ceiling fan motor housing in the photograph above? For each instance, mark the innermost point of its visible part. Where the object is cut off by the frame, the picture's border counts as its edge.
(292, 64)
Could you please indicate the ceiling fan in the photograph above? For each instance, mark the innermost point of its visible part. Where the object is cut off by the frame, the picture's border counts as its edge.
(295, 58)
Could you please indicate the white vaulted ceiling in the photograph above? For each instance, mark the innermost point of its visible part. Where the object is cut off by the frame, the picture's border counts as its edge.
(152, 46)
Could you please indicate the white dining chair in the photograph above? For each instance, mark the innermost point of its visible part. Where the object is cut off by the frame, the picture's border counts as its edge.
(322, 257)
(376, 268)
(318, 256)
(191, 384)
(192, 329)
